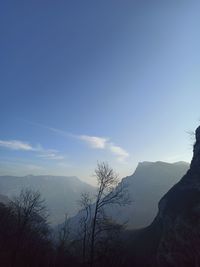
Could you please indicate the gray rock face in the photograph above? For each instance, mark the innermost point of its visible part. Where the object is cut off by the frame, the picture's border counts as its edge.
(173, 238)
(179, 219)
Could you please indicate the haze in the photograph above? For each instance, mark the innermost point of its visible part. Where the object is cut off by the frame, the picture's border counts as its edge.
(83, 81)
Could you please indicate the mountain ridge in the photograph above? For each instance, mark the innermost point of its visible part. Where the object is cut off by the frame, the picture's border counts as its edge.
(144, 198)
(149, 182)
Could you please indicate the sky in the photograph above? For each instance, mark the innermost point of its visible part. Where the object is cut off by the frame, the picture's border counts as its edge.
(88, 81)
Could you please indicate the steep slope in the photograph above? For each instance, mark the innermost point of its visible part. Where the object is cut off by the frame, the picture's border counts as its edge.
(61, 193)
(179, 216)
(173, 239)
(150, 181)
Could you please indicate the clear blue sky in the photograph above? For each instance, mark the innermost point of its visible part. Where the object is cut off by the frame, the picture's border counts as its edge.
(110, 80)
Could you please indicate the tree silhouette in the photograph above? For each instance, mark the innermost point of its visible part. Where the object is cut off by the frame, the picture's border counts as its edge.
(109, 192)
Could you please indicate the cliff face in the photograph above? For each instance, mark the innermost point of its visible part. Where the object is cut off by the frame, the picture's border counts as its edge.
(173, 238)
(179, 219)
(150, 181)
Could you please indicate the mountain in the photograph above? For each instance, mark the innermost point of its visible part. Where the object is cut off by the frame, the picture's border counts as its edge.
(173, 238)
(150, 181)
(61, 193)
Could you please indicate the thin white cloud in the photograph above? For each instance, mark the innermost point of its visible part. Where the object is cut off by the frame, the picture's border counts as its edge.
(94, 141)
(51, 155)
(25, 146)
(103, 143)
(121, 153)
(52, 129)
(16, 145)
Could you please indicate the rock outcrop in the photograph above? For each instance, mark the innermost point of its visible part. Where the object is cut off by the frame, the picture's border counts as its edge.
(179, 218)
(173, 239)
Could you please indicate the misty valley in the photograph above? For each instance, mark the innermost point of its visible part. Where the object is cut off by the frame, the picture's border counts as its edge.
(149, 218)
(99, 133)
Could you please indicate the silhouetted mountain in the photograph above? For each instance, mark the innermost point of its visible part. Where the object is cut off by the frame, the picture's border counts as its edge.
(61, 193)
(150, 181)
(173, 238)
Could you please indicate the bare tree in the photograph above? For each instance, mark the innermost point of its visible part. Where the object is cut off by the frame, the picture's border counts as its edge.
(29, 207)
(109, 192)
(85, 222)
(63, 242)
(30, 212)
(63, 235)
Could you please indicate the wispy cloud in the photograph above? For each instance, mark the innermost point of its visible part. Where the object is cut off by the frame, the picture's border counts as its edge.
(51, 156)
(121, 153)
(25, 146)
(16, 145)
(52, 129)
(94, 141)
(104, 143)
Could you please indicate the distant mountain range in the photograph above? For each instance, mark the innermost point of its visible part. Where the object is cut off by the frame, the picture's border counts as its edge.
(150, 181)
(61, 193)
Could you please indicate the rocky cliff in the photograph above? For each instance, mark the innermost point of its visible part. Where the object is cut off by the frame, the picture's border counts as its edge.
(179, 218)
(173, 239)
